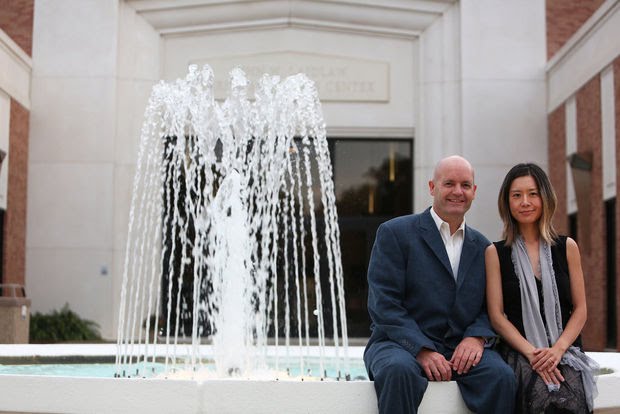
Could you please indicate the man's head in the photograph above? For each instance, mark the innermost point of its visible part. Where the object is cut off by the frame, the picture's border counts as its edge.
(452, 188)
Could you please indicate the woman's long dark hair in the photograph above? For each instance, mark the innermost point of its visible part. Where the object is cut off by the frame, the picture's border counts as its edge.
(547, 195)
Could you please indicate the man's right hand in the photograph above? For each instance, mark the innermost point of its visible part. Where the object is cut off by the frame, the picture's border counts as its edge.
(436, 367)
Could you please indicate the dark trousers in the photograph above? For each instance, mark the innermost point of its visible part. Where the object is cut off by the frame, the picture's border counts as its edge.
(400, 382)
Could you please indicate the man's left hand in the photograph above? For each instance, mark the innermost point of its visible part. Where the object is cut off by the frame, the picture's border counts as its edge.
(467, 354)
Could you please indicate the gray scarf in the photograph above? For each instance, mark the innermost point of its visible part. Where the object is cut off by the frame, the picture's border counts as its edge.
(535, 331)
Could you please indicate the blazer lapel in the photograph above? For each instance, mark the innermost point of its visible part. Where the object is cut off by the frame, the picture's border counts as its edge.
(468, 255)
(431, 236)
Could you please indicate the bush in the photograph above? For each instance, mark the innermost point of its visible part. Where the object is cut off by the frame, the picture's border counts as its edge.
(61, 326)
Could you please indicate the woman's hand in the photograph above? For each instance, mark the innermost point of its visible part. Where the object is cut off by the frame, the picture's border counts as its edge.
(542, 360)
(546, 358)
(551, 377)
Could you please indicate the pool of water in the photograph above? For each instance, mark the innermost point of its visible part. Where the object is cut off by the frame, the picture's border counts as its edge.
(108, 370)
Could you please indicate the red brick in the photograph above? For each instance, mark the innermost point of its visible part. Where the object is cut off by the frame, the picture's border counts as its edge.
(16, 18)
(592, 239)
(564, 18)
(14, 260)
(557, 165)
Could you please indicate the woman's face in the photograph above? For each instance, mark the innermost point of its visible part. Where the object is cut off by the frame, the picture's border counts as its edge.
(525, 201)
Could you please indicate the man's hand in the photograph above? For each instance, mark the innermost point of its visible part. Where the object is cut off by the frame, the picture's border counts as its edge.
(467, 354)
(435, 365)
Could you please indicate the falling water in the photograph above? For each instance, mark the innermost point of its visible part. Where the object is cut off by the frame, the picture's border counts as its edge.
(232, 223)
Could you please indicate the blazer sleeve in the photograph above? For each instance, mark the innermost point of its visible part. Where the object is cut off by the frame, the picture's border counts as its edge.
(386, 291)
(481, 327)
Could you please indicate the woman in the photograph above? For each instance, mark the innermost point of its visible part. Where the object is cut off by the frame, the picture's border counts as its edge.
(536, 299)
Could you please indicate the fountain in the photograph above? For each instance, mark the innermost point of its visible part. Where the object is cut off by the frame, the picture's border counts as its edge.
(232, 224)
(233, 232)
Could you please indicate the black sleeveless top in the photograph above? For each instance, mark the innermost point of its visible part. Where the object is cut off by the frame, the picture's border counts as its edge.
(512, 294)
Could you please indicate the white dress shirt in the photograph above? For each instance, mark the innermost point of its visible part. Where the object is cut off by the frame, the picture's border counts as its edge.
(452, 242)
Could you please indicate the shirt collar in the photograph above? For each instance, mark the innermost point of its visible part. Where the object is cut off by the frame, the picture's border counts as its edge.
(439, 222)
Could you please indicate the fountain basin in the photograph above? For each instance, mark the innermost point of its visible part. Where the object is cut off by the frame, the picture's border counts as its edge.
(128, 395)
(103, 395)
(55, 394)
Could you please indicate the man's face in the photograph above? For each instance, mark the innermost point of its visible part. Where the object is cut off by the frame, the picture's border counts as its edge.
(453, 189)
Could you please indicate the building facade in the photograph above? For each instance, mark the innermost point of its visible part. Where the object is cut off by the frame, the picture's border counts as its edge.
(402, 83)
(583, 98)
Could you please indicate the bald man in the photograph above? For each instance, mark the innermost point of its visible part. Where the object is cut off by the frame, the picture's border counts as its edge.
(426, 301)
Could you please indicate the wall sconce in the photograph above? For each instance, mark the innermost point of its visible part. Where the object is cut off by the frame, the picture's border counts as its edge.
(582, 162)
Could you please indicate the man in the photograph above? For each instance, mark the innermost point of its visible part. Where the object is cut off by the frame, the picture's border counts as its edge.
(426, 301)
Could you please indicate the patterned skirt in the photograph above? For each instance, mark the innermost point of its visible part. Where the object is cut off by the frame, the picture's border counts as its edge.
(533, 397)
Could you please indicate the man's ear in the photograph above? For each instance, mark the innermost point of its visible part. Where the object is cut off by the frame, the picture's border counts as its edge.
(431, 187)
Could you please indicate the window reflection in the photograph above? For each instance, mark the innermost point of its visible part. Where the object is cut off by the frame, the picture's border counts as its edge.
(373, 182)
(372, 177)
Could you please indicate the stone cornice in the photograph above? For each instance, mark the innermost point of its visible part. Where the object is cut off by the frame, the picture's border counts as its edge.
(370, 132)
(394, 18)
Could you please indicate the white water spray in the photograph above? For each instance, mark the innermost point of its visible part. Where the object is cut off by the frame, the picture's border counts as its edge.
(232, 223)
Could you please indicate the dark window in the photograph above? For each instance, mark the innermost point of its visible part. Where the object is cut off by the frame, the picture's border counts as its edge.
(1, 247)
(610, 213)
(572, 226)
(373, 182)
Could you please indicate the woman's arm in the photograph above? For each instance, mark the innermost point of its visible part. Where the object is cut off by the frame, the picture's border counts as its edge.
(495, 307)
(578, 293)
(577, 319)
(501, 324)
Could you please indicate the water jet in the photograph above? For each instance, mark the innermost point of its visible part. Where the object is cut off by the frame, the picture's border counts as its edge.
(233, 235)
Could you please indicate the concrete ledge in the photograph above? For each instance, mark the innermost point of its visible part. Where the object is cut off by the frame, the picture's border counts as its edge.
(39, 394)
(47, 394)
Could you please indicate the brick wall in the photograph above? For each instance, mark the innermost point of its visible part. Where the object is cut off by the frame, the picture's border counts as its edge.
(556, 123)
(564, 18)
(16, 20)
(14, 260)
(592, 239)
(16, 17)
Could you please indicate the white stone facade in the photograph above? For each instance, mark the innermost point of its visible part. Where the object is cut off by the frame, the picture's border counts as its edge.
(462, 77)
